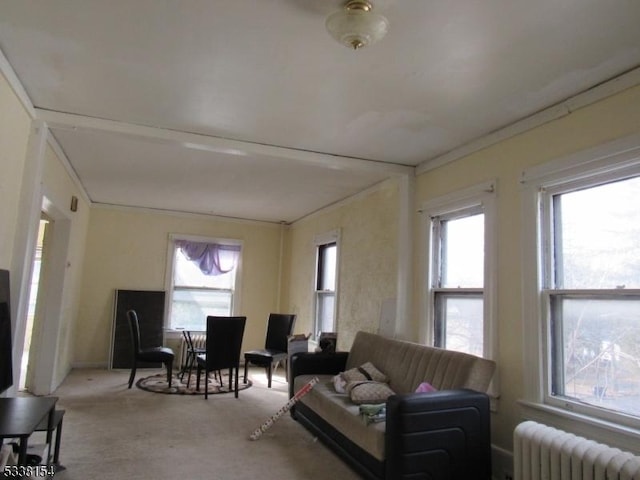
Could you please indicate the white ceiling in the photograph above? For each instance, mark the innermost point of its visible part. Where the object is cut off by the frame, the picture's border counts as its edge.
(250, 109)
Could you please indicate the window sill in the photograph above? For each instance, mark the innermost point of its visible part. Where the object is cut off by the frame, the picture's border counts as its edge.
(609, 433)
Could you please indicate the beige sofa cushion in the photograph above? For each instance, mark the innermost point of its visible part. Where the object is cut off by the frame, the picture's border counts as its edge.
(409, 364)
(338, 410)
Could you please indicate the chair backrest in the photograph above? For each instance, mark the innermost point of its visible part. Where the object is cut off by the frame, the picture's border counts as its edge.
(134, 327)
(186, 334)
(224, 341)
(280, 326)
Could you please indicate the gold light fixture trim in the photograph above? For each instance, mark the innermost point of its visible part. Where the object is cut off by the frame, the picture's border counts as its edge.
(358, 5)
(356, 25)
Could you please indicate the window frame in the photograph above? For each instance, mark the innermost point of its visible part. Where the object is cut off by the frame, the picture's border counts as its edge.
(320, 242)
(480, 198)
(603, 164)
(438, 293)
(169, 278)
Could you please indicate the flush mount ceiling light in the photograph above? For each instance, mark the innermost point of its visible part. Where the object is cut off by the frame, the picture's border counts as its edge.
(356, 26)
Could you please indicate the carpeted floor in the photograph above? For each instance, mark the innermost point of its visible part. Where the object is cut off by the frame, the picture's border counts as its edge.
(112, 432)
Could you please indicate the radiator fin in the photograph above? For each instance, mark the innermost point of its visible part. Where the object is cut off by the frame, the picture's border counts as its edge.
(541, 452)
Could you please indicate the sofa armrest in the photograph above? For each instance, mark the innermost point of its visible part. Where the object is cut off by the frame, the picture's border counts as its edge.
(443, 434)
(309, 363)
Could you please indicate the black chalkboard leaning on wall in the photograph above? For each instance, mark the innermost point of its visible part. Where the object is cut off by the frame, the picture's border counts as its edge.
(150, 308)
(6, 362)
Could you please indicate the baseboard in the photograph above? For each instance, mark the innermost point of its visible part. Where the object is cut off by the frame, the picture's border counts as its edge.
(502, 463)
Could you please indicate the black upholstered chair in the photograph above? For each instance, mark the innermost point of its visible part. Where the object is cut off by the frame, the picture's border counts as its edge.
(279, 327)
(148, 354)
(224, 343)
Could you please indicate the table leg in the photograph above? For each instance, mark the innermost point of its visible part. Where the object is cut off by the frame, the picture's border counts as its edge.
(56, 452)
(22, 451)
(50, 433)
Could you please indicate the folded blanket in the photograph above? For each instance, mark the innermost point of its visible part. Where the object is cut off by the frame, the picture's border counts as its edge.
(373, 413)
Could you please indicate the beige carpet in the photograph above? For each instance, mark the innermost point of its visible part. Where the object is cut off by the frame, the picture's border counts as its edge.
(111, 432)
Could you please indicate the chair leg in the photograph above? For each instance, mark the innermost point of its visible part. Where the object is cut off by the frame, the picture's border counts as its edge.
(237, 368)
(246, 364)
(269, 373)
(184, 368)
(133, 373)
(169, 366)
(198, 370)
(206, 384)
(191, 361)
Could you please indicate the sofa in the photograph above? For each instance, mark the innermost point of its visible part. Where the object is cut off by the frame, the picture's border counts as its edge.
(441, 434)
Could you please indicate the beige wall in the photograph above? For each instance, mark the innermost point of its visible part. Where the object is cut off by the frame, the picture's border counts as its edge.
(15, 130)
(14, 134)
(58, 188)
(368, 260)
(606, 120)
(127, 249)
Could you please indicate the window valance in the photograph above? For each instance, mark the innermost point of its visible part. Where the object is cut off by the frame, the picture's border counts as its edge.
(211, 258)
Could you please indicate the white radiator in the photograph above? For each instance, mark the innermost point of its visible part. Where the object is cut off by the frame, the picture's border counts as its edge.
(543, 452)
(199, 341)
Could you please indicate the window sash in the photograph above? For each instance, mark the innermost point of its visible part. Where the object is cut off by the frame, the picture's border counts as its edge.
(325, 312)
(190, 306)
(439, 250)
(468, 329)
(326, 274)
(583, 374)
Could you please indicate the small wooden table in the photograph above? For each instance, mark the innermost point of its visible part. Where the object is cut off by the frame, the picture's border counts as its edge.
(20, 417)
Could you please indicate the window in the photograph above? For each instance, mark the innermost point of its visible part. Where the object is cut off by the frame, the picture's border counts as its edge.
(460, 284)
(581, 284)
(325, 284)
(591, 287)
(458, 258)
(203, 281)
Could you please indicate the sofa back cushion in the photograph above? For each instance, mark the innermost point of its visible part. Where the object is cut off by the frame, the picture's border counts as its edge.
(409, 364)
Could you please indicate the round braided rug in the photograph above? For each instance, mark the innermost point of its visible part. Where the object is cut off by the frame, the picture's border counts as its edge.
(158, 384)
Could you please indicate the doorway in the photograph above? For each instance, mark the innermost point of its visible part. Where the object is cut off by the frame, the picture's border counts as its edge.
(26, 371)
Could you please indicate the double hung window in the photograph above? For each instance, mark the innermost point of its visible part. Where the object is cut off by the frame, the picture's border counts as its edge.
(460, 283)
(326, 284)
(204, 274)
(581, 304)
(591, 290)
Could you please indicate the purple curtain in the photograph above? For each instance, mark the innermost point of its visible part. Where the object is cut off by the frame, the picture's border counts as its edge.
(212, 258)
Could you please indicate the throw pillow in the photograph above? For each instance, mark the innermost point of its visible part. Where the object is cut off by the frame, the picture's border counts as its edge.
(366, 371)
(368, 392)
(426, 387)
